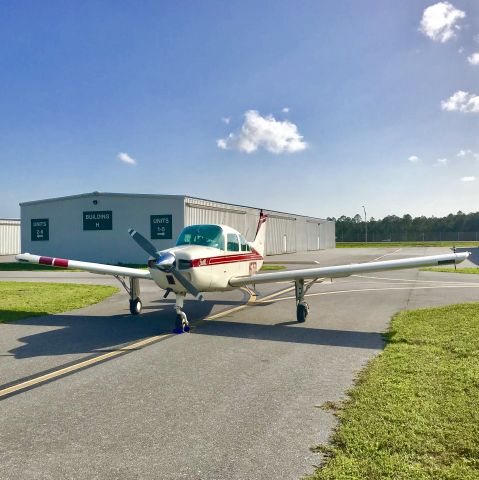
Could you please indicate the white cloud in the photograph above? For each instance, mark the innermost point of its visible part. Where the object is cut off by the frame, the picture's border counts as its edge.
(473, 59)
(439, 21)
(442, 161)
(463, 153)
(226, 120)
(414, 159)
(125, 158)
(461, 102)
(285, 110)
(266, 132)
(468, 179)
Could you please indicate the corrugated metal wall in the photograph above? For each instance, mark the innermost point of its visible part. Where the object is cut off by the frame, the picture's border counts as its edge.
(9, 237)
(286, 233)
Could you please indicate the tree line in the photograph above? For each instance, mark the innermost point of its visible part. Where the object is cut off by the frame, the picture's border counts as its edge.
(459, 226)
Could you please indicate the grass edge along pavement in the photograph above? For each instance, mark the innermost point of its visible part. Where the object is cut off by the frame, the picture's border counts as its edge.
(468, 270)
(414, 412)
(27, 299)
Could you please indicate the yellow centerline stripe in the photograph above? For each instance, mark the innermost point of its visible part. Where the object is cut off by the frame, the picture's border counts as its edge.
(115, 353)
(79, 365)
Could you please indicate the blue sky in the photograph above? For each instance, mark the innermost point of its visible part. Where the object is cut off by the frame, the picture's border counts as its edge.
(309, 107)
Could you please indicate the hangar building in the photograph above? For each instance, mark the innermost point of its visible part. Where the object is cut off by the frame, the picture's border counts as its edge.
(94, 226)
(9, 236)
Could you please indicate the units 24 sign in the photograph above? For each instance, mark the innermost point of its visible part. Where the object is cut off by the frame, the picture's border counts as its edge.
(161, 227)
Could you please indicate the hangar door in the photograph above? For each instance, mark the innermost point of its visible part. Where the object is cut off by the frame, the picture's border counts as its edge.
(196, 214)
(280, 235)
(314, 235)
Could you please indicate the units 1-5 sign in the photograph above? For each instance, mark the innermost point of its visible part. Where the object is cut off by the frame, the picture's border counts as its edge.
(161, 226)
(39, 229)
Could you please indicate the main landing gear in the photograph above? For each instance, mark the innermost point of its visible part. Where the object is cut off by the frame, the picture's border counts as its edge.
(302, 308)
(133, 290)
(181, 321)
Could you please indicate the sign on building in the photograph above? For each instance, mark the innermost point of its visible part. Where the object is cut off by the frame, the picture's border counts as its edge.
(100, 220)
(161, 227)
(39, 229)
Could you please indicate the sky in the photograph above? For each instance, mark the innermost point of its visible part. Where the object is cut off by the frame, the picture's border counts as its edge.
(311, 107)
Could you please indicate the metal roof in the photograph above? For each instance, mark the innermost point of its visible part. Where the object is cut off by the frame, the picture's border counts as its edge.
(156, 195)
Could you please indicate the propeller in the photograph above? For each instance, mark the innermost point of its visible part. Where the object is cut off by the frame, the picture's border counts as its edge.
(164, 261)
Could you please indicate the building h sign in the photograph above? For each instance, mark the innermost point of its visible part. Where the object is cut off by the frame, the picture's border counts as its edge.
(161, 227)
(99, 220)
(39, 229)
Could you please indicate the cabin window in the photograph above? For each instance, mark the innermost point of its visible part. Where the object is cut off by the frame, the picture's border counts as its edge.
(232, 242)
(204, 235)
(244, 245)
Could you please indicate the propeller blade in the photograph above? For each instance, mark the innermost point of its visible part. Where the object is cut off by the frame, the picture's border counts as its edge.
(143, 243)
(190, 288)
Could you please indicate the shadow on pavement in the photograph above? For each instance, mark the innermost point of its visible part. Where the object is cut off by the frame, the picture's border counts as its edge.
(89, 334)
(286, 332)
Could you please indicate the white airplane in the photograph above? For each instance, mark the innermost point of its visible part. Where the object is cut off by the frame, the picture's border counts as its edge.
(210, 258)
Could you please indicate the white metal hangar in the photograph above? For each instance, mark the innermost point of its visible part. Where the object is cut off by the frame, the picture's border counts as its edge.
(9, 236)
(94, 226)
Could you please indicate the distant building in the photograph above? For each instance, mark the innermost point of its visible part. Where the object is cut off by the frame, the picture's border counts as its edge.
(94, 226)
(9, 236)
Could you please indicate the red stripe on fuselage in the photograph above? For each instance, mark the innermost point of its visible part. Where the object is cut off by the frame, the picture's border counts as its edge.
(45, 260)
(246, 257)
(60, 262)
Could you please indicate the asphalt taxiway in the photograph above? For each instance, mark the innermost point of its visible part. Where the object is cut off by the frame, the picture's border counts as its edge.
(236, 398)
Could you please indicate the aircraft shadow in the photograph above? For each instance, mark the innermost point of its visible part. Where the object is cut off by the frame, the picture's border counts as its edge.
(89, 334)
(292, 332)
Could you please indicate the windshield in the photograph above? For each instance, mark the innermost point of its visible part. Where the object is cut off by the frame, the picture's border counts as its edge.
(206, 235)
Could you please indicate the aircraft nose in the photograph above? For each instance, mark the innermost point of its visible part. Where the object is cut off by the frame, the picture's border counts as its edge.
(165, 260)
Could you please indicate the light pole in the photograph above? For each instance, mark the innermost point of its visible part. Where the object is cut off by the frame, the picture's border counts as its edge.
(365, 225)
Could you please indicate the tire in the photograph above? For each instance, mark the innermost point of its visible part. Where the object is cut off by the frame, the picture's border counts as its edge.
(135, 306)
(181, 323)
(301, 312)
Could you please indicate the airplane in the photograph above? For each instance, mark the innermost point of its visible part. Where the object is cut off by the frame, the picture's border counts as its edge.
(211, 258)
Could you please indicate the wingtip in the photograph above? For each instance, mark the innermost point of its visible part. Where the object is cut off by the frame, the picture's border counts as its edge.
(131, 231)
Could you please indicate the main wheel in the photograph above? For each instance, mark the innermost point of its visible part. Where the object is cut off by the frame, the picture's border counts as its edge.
(302, 312)
(181, 323)
(135, 306)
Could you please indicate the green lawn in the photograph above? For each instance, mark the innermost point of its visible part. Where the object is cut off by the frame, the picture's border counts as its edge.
(451, 270)
(272, 267)
(403, 244)
(414, 413)
(26, 299)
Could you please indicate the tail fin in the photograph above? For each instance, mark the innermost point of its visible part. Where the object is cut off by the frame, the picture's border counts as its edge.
(259, 240)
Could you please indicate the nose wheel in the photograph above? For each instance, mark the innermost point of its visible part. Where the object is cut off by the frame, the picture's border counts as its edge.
(181, 323)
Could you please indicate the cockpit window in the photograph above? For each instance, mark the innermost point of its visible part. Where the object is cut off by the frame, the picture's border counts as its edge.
(244, 244)
(205, 235)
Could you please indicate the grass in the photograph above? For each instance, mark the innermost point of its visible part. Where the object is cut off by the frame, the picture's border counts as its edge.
(272, 267)
(414, 413)
(471, 270)
(402, 244)
(26, 299)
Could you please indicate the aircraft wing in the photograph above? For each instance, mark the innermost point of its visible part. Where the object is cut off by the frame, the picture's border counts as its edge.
(347, 270)
(87, 266)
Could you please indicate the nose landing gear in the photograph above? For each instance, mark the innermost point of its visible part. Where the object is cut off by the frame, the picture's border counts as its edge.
(181, 321)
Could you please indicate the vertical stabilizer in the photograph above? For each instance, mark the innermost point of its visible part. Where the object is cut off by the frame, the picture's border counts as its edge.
(260, 237)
